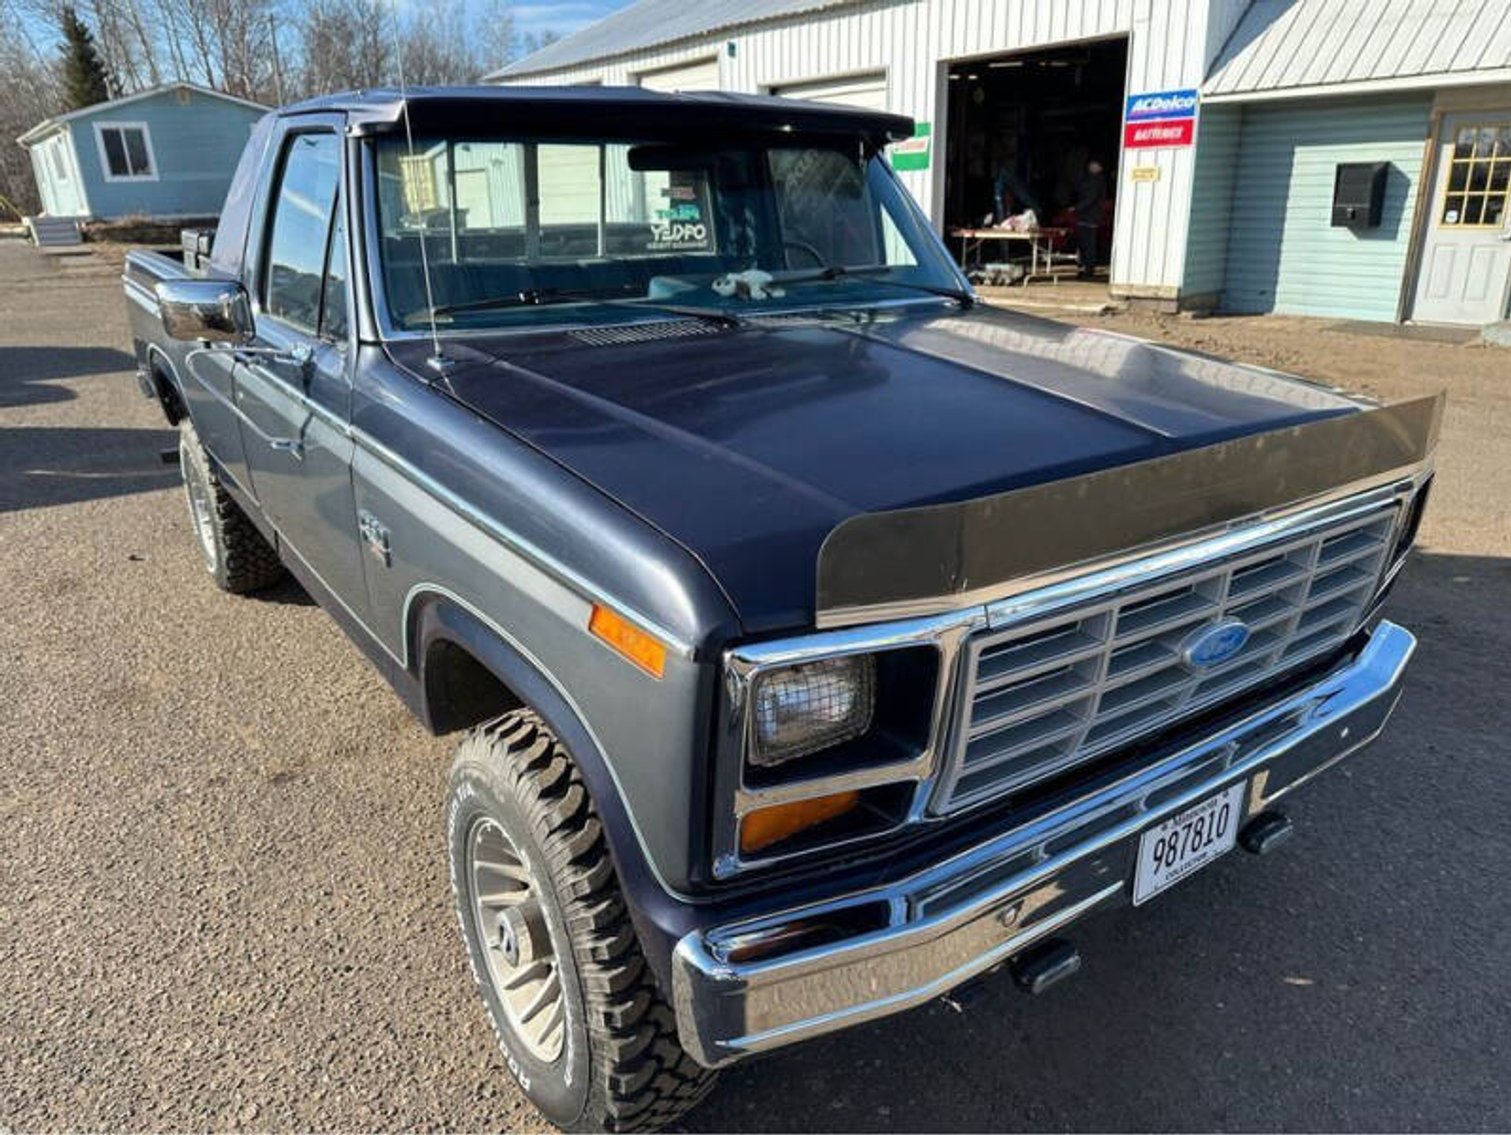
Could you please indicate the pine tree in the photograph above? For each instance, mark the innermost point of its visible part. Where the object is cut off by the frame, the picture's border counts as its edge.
(85, 80)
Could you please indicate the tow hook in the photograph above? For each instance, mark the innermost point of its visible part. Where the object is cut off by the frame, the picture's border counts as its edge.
(1044, 964)
(1265, 832)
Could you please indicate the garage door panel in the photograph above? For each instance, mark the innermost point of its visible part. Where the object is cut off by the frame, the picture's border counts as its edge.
(700, 76)
(866, 92)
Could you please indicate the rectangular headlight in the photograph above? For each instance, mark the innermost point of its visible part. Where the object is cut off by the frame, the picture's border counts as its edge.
(811, 706)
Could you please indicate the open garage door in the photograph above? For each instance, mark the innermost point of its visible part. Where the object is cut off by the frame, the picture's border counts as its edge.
(1022, 129)
(868, 92)
(700, 76)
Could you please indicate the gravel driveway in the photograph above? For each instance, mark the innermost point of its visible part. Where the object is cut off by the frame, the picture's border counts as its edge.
(222, 901)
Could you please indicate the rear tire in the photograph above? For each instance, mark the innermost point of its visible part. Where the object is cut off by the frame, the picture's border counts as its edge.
(537, 896)
(234, 551)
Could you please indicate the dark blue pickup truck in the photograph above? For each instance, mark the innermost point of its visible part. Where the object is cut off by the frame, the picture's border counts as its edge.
(821, 637)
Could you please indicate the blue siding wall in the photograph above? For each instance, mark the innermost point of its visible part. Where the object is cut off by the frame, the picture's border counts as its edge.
(1217, 140)
(196, 141)
(1283, 253)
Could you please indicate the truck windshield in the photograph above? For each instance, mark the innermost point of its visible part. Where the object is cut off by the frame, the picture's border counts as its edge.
(525, 232)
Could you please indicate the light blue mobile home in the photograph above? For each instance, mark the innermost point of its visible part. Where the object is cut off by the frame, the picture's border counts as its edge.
(164, 153)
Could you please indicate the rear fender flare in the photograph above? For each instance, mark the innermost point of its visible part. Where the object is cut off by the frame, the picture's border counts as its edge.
(165, 380)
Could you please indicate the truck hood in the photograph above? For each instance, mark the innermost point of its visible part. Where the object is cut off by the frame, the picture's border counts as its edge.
(749, 445)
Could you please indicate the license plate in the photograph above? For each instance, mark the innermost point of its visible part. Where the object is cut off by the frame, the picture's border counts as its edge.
(1187, 842)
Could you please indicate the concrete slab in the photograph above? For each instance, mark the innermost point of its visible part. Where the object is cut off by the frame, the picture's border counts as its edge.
(1419, 332)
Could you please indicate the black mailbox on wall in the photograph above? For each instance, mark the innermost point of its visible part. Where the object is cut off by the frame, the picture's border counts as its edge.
(1359, 194)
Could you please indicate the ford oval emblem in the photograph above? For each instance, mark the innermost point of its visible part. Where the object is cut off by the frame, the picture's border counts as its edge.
(1207, 646)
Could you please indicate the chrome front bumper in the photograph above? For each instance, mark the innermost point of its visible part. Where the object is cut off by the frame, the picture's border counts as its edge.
(941, 926)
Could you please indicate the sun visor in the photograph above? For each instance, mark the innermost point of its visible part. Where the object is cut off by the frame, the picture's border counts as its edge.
(936, 558)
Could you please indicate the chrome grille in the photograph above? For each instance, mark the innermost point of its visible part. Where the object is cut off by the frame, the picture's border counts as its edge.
(1052, 694)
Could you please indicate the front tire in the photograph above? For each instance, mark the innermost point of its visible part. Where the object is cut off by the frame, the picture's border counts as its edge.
(583, 1027)
(237, 557)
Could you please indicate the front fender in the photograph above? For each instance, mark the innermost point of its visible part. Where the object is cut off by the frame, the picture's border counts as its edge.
(438, 618)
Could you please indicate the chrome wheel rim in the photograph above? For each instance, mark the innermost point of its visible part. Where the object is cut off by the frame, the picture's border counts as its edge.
(517, 946)
(200, 512)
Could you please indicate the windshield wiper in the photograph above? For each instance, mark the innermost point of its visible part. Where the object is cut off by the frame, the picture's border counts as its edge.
(533, 297)
(874, 271)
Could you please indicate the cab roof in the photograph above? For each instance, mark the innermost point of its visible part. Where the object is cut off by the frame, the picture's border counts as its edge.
(628, 112)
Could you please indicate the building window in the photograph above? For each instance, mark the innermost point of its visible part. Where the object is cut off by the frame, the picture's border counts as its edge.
(1479, 177)
(125, 151)
(59, 166)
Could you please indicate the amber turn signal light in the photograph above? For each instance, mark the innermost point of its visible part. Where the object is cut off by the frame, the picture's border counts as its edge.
(626, 639)
(766, 826)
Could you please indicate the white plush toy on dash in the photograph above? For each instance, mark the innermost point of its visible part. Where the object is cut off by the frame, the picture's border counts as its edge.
(751, 284)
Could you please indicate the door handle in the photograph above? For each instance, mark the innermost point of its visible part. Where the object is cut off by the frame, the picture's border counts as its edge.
(290, 445)
(299, 355)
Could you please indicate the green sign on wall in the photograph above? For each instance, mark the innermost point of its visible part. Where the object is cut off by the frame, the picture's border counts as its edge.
(913, 153)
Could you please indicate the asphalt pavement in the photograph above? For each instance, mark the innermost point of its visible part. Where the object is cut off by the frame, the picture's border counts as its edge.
(222, 892)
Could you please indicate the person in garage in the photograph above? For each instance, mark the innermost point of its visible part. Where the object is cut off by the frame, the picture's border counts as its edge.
(1091, 194)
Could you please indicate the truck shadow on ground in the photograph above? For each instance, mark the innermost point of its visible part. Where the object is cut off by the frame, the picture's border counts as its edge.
(288, 593)
(1314, 987)
(26, 372)
(50, 465)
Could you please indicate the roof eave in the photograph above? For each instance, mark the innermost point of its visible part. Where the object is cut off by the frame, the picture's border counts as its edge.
(41, 131)
(59, 120)
(1394, 83)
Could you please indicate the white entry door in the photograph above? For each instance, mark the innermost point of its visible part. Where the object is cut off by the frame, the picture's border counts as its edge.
(1465, 275)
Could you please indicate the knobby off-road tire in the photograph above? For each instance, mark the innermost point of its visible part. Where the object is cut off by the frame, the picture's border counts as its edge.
(518, 806)
(235, 554)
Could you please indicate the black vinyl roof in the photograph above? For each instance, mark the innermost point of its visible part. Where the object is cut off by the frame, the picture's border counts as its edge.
(628, 112)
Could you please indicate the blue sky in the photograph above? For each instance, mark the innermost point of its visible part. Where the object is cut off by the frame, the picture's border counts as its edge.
(563, 16)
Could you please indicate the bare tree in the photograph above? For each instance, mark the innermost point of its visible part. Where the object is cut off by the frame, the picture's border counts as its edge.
(29, 92)
(343, 44)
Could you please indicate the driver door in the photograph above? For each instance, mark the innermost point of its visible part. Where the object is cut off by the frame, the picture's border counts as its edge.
(294, 391)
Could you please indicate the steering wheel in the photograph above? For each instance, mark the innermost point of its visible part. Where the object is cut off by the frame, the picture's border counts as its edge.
(803, 246)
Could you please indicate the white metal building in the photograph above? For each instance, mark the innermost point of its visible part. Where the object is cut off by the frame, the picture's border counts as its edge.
(1223, 124)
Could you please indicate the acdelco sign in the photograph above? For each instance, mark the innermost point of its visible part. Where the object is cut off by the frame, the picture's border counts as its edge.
(1161, 104)
(1160, 118)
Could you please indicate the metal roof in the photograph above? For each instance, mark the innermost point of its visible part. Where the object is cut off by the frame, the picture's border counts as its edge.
(1291, 47)
(652, 23)
(48, 125)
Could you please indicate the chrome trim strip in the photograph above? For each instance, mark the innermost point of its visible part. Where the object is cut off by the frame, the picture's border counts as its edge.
(979, 550)
(1089, 588)
(728, 1009)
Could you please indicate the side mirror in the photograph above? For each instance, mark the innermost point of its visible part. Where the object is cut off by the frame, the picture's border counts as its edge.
(206, 311)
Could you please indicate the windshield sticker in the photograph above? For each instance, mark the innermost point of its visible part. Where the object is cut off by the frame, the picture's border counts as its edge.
(680, 226)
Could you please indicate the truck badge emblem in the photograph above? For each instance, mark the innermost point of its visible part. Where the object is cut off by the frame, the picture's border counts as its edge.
(1217, 642)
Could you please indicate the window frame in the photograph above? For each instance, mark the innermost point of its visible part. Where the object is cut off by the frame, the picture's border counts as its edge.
(123, 125)
(338, 217)
(1485, 196)
(269, 217)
